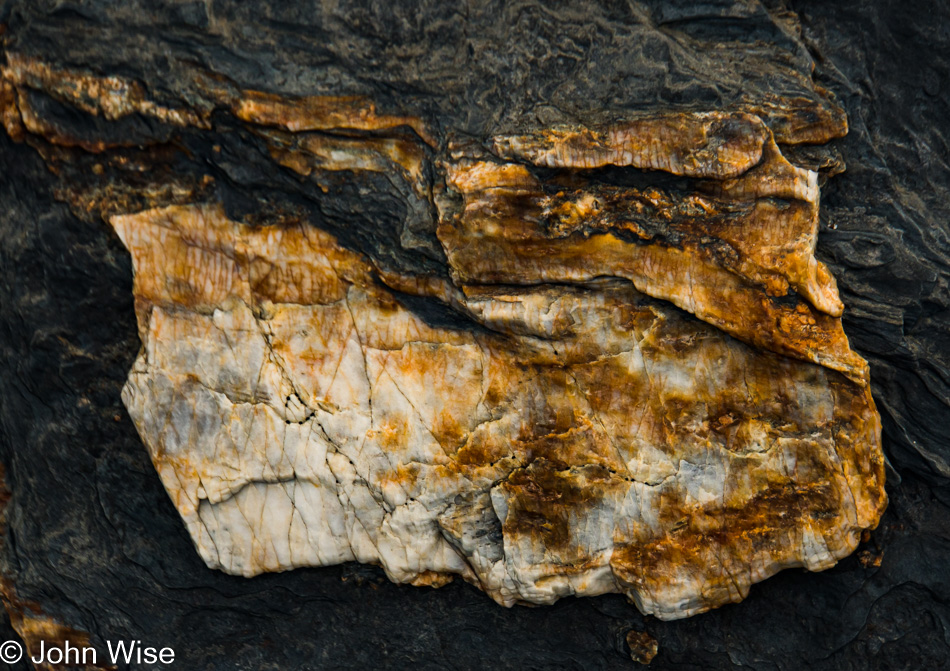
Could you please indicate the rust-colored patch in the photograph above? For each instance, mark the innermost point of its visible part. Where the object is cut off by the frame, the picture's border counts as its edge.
(432, 579)
(9, 112)
(642, 646)
(737, 250)
(109, 96)
(321, 113)
(715, 145)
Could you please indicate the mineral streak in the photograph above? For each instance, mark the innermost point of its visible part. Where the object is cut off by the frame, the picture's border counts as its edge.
(643, 386)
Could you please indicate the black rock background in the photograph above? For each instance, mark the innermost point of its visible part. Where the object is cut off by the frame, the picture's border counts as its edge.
(91, 534)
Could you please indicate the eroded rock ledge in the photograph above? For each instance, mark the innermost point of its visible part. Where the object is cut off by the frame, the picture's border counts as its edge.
(596, 359)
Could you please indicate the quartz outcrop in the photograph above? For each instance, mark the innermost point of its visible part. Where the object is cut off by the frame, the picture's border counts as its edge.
(654, 395)
(582, 359)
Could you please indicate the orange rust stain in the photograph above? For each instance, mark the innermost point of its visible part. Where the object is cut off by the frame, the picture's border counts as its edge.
(432, 579)
(714, 144)
(309, 153)
(9, 112)
(108, 96)
(545, 496)
(729, 254)
(642, 646)
(732, 533)
(321, 113)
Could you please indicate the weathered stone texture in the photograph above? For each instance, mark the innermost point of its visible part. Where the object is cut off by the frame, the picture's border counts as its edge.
(557, 299)
(585, 439)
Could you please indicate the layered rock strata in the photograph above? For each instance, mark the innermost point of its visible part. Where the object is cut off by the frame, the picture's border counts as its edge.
(598, 358)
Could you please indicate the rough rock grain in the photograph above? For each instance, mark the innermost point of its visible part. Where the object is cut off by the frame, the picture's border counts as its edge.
(575, 437)
(589, 440)
(349, 118)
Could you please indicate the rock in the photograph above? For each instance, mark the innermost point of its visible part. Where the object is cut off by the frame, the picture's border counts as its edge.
(643, 647)
(584, 439)
(572, 433)
(409, 139)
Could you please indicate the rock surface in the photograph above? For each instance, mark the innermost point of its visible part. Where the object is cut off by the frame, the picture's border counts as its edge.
(367, 113)
(592, 441)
